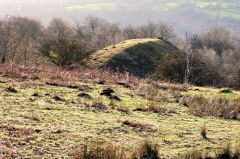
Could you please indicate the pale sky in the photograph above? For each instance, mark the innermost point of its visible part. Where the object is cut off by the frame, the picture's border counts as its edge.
(196, 15)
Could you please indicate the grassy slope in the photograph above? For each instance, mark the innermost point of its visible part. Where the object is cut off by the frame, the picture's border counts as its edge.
(138, 56)
(65, 125)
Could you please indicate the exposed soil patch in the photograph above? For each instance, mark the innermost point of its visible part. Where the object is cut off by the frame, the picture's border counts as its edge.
(107, 92)
(141, 110)
(137, 126)
(85, 95)
(114, 97)
(101, 82)
(61, 85)
(59, 99)
(11, 90)
(54, 84)
(124, 85)
(73, 87)
(36, 95)
(16, 132)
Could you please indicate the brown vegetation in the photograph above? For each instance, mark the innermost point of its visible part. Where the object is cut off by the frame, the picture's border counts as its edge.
(217, 106)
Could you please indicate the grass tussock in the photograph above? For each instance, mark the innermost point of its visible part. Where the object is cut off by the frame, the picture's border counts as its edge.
(98, 104)
(99, 150)
(152, 93)
(194, 154)
(173, 87)
(102, 150)
(147, 150)
(215, 106)
(225, 152)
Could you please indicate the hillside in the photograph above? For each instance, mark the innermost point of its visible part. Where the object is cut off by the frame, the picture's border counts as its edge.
(139, 57)
(50, 113)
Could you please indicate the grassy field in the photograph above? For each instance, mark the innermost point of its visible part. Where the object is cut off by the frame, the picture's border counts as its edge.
(48, 118)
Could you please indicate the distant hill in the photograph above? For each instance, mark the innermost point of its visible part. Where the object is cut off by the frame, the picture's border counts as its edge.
(137, 56)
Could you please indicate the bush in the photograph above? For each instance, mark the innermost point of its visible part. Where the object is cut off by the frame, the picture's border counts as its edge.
(172, 68)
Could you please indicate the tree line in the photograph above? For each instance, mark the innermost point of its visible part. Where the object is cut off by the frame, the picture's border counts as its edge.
(215, 58)
(24, 40)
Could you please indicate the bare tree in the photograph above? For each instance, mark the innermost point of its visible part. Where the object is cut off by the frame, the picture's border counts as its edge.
(188, 56)
(218, 39)
(28, 31)
(60, 44)
(131, 32)
(151, 30)
(9, 40)
(98, 33)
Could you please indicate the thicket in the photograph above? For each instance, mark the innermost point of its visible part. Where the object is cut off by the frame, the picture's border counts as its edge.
(214, 61)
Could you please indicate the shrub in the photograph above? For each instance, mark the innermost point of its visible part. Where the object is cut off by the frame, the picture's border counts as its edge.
(60, 45)
(172, 68)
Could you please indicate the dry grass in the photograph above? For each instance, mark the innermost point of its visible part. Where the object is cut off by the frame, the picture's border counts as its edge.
(225, 152)
(150, 92)
(215, 106)
(194, 154)
(103, 150)
(147, 150)
(98, 104)
(63, 76)
(99, 150)
(172, 86)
